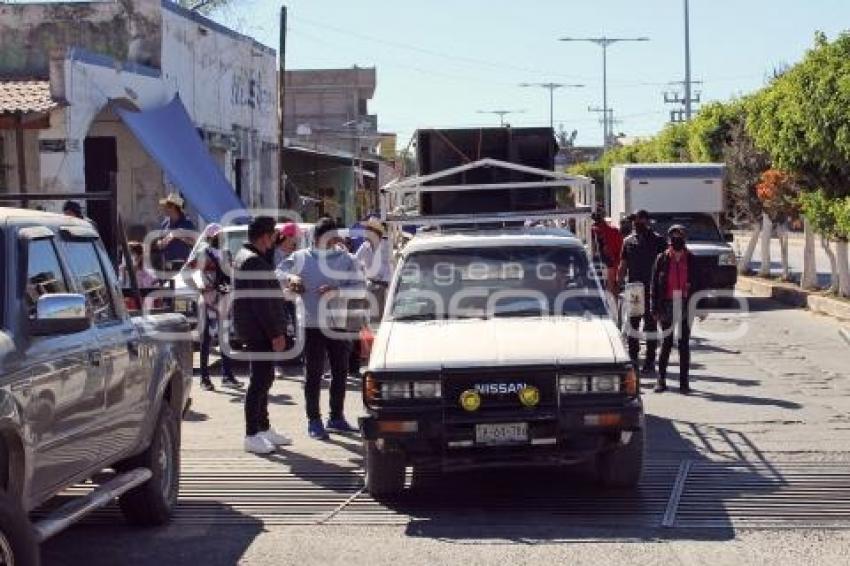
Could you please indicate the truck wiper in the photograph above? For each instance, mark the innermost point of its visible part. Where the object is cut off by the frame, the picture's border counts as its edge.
(415, 317)
(520, 312)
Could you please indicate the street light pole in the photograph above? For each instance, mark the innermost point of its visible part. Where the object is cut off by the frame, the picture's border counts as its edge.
(604, 42)
(551, 87)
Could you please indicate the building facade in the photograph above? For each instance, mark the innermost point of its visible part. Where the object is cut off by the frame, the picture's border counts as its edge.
(77, 62)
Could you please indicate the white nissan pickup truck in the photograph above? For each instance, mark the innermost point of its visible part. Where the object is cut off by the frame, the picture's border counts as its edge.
(498, 349)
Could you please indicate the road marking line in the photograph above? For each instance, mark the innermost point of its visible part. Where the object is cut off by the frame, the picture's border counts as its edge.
(669, 519)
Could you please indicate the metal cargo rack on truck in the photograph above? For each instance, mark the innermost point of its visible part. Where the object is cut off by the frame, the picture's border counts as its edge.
(402, 200)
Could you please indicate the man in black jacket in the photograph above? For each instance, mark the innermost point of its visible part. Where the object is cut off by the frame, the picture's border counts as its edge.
(260, 318)
(638, 256)
(675, 279)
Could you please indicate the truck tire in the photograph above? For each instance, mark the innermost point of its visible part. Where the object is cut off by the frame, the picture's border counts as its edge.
(425, 479)
(384, 472)
(18, 545)
(622, 467)
(153, 502)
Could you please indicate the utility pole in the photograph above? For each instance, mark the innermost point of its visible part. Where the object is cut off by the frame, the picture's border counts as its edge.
(281, 109)
(688, 100)
(501, 114)
(684, 103)
(604, 42)
(551, 87)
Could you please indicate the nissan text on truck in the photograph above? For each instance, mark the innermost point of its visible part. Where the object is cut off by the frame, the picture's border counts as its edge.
(690, 194)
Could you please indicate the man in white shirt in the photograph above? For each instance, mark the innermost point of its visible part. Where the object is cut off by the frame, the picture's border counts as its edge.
(374, 253)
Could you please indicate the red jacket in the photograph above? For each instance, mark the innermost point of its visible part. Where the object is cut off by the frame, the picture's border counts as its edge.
(610, 242)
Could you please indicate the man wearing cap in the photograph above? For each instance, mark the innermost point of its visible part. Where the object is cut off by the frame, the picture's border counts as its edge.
(636, 262)
(374, 256)
(326, 278)
(287, 241)
(675, 279)
(260, 318)
(178, 241)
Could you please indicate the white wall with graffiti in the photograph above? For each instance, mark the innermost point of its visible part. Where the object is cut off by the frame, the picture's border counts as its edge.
(228, 83)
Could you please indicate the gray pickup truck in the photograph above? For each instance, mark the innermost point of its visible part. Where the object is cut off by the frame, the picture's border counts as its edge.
(84, 387)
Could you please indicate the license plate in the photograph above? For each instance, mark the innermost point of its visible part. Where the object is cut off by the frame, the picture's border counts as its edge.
(497, 434)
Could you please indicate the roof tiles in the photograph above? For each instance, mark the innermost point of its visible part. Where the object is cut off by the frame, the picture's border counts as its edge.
(25, 97)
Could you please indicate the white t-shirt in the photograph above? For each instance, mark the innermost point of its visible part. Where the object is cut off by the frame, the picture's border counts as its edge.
(376, 263)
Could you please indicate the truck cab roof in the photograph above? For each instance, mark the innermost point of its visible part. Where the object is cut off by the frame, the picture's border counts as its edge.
(538, 236)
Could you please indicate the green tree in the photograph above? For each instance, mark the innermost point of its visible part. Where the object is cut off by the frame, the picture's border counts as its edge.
(801, 120)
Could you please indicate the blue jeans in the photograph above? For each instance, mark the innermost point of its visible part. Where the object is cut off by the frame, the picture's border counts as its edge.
(206, 339)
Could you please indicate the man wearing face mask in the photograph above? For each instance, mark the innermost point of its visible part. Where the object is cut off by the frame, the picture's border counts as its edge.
(260, 317)
(674, 281)
(324, 276)
(640, 250)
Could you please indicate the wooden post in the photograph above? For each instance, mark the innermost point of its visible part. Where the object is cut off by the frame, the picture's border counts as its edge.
(22, 160)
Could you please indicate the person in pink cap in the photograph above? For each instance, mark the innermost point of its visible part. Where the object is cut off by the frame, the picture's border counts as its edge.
(287, 241)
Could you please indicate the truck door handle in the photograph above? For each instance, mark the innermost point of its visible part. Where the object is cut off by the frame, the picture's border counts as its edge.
(95, 358)
(133, 348)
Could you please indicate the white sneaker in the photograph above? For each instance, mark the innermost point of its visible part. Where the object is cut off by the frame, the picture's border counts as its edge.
(258, 444)
(275, 438)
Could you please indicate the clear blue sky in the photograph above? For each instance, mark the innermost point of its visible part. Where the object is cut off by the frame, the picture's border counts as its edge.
(439, 61)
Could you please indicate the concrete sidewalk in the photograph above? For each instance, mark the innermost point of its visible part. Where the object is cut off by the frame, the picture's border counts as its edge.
(792, 295)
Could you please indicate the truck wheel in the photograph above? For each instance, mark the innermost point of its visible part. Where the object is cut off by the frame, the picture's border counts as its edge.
(622, 467)
(425, 478)
(18, 546)
(153, 502)
(384, 472)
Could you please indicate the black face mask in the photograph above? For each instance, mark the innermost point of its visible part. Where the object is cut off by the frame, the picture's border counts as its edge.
(215, 243)
(677, 243)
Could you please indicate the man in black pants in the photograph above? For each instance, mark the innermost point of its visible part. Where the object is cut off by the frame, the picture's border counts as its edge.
(260, 317)
(328, 279)
(638, 257)
(675, 280)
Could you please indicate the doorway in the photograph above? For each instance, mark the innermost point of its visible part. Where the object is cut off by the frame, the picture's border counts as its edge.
(101, 170)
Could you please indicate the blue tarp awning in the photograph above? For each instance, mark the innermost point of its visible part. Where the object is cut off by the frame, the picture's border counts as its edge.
(170, 138)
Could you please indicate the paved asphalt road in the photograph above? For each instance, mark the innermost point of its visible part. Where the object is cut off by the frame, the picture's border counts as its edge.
(761, 449)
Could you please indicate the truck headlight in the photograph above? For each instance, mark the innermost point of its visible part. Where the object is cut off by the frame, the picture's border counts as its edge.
(395, 390)
(727, 259)
(427, 390)
(575, 384)
(390, 390)
(605, 384)
(572, 384)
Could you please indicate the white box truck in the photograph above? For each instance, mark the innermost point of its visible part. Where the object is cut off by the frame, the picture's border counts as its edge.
(691, 194)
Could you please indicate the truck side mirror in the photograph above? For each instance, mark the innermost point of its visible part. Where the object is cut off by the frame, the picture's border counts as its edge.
(60, 313)
(729, 237)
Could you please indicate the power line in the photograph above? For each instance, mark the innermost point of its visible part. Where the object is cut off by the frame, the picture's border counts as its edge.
(453, 57)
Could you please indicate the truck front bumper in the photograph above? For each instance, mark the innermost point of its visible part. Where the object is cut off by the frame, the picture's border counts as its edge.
(559, 436)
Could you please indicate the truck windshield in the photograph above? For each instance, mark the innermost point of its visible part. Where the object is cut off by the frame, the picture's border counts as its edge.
(701, 227)
(517, 281)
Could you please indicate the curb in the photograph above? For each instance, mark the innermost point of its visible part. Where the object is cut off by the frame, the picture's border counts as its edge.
(793, 296)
